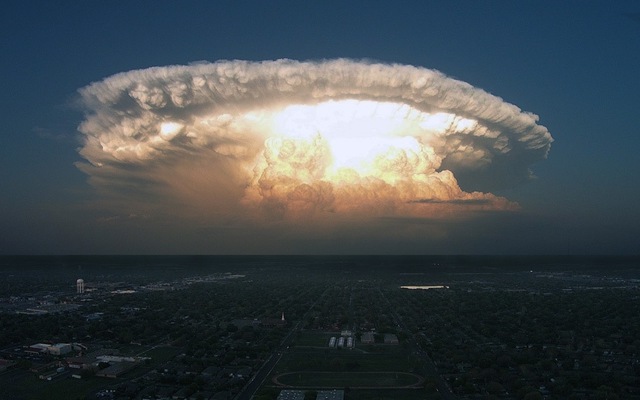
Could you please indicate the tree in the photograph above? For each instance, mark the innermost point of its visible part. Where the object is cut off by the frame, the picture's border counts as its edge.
(494, 387)
(535, 395)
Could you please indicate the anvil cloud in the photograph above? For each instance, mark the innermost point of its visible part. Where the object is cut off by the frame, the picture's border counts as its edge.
(303, 141)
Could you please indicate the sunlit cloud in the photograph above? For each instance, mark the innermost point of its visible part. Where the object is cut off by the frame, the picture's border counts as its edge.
(294, 142)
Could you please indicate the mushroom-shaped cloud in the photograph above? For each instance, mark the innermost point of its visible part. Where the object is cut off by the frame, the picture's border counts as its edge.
(304, 141)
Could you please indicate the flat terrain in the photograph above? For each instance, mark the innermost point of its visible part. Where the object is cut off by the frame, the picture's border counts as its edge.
(495, 328)
(353, 380)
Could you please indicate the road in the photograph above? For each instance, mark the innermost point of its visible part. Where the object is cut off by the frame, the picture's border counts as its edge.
(256, 381)
(428, 364)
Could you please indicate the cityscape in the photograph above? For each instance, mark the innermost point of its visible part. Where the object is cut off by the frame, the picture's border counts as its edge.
(278, 328)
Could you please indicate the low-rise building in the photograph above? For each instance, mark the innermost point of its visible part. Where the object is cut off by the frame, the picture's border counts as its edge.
(390, 338)
(334, 394)
(367, 338)
(291, 394)
(59, 349)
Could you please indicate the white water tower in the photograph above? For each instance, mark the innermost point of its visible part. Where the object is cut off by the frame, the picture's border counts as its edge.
(80, 286)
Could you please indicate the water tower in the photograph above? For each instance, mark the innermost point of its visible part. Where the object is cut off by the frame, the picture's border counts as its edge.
(80, 286)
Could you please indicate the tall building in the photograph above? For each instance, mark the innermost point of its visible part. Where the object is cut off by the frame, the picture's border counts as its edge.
(80, 286)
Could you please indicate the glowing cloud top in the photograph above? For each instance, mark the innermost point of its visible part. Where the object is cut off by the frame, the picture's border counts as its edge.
(288, 140)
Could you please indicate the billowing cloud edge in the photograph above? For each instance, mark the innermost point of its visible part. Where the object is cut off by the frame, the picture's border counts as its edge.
(195, 135)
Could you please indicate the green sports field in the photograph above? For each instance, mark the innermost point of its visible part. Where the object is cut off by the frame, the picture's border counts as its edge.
(317, 379)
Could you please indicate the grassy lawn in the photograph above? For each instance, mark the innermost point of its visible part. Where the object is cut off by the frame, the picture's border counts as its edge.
(344, 360)
(162, 354)
(314, 338)
(25, 385)
(310, 363)
(391, 394)
(69, 388)
(351, 379)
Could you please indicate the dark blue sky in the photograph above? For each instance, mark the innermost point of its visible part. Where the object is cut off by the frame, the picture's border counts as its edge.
(573, 63)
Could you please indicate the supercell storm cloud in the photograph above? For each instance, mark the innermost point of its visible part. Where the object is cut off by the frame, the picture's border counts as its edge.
(304, 141)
